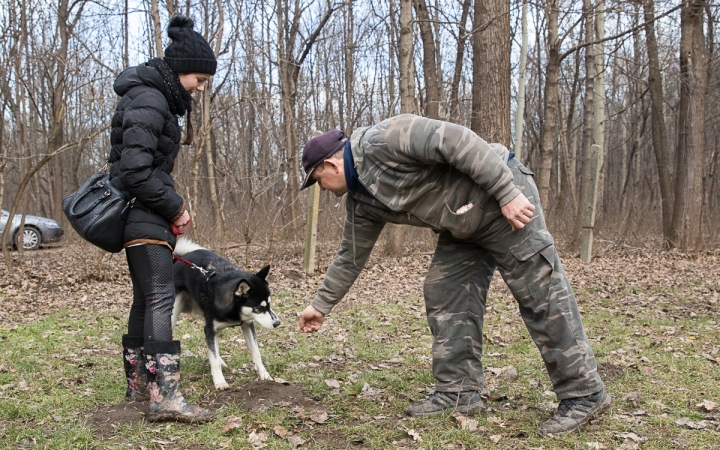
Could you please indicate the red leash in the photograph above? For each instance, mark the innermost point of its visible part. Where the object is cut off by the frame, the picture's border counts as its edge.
(205, 272)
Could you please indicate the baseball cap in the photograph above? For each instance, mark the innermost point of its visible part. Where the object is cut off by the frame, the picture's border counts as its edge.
(317, 150)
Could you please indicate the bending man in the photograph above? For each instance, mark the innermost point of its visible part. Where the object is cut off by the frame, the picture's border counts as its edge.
(485, 207)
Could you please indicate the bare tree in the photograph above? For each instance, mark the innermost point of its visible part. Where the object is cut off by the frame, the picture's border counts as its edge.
(289, 61)
(659, 132)
(691, 128)
(491, 71)
(430, 69)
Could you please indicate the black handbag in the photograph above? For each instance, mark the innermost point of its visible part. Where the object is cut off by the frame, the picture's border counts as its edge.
(97, 210)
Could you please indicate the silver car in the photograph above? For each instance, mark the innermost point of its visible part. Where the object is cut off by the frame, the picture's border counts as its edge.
(37, 231)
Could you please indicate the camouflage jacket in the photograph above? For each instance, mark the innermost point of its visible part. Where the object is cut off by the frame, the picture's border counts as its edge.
(420, 172)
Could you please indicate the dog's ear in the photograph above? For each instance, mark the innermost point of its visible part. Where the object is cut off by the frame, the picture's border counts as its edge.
(263, 272)
(242, 289)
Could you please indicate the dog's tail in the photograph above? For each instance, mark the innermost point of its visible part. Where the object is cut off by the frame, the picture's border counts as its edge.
(185, 245)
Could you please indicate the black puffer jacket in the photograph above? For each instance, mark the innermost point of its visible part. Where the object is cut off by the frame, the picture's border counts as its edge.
(144, 135)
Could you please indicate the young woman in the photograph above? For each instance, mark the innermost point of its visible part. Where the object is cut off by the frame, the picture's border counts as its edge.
(145, 141)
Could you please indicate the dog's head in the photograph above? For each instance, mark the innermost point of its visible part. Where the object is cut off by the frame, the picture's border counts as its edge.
(253, 294)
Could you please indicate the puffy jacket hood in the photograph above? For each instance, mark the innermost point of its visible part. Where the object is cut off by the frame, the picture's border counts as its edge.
(141, 75)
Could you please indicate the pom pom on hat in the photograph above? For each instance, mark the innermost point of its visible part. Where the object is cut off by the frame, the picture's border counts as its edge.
(188, 52)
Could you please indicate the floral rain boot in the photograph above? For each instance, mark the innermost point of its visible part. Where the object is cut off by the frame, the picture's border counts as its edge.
(135, 372)
(167, 402)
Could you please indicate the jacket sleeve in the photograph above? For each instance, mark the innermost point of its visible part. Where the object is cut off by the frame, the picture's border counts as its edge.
(142, 126)
(435, 142)
(346, 266)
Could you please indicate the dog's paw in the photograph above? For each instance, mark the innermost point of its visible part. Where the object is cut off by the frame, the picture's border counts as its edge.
(221, 386)
(265, 376)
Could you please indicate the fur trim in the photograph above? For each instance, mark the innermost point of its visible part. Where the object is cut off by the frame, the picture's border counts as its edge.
(185, 245)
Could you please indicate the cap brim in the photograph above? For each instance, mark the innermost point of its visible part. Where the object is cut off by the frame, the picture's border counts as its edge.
(309, 180)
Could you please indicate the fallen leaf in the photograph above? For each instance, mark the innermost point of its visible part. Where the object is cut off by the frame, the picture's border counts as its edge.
(595, 445)
(295, 441)
(257, 439)
(280, 431)
(466, 423)
(415, 435)
(632, 436)
(231, 424)
(707, 405)
(495, 420)
(319, 418)
(634, 397)
(510, 373)
(281, 381)
(495, 370)
(333, 383)
(496, 438)
(687, 423)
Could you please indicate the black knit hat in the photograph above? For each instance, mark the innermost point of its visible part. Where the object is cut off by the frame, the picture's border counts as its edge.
(188, 52)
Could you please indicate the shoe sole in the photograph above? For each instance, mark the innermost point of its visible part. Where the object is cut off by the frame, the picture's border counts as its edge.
(461, 409)
(593, 413)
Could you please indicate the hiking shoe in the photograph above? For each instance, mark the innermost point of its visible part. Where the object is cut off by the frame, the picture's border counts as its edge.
(439, 402)
(572, 413)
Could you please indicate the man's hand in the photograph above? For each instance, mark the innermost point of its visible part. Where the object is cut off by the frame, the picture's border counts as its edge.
(518, 212)
(311, 319)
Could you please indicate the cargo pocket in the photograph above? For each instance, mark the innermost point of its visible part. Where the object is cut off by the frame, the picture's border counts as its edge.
(532, 245)
(535, 276)
(463, 225)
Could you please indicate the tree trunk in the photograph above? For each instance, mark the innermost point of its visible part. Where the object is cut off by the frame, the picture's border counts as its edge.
(206, 142)
(520, 110)
(691, 128)
(430, 70)
(454, 106)
(157, 27)
(396, 233)
(349, 68)
(659, 132)
(588, 125)
(599, 130)
(491, 71)
(288, 72)
(552, 99)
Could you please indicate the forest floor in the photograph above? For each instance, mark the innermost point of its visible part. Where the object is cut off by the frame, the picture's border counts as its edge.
(653, 319)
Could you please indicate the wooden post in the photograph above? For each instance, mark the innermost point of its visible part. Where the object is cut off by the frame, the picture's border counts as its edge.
(589, 203)
(311, 228)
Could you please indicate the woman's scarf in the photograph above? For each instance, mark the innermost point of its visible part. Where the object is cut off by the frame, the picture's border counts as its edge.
(177, 97)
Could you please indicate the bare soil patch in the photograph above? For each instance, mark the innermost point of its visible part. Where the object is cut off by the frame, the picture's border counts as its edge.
(254, 396)
(260, 395)
(610, 372)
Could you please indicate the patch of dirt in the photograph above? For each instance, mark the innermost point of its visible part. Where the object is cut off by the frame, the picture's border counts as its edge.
(106, 419)
(254, 396)
(610, 372)
(259, 395)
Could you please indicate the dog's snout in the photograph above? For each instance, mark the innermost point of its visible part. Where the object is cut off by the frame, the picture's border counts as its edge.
(276, 323)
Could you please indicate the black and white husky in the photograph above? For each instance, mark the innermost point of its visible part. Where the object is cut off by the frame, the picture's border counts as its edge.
(225, 297)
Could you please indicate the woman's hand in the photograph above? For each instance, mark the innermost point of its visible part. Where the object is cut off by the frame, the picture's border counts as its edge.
(180, 225)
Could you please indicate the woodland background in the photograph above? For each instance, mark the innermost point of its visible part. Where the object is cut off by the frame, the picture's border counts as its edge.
(557, 81)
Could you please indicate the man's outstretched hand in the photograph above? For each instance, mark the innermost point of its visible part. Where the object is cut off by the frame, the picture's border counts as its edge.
(311, 319)
(518, 212)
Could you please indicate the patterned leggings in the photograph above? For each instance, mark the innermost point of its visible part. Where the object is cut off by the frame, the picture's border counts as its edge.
(151, 271)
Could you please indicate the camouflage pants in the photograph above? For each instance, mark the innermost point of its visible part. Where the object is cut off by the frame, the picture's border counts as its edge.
(456, 288)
